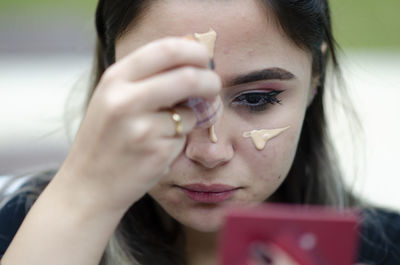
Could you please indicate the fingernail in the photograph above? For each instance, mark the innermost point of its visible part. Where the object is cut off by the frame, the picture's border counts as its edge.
(259, 252)
(264, 257)
(211, 64)
(207, 112)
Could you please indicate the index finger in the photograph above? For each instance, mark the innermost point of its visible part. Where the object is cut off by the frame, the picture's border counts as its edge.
(159, 56)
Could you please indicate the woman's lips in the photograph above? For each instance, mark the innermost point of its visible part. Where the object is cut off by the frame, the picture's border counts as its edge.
(208, 193)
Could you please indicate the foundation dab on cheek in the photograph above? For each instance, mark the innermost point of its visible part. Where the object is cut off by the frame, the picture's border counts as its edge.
(261, 137)
(207, 112)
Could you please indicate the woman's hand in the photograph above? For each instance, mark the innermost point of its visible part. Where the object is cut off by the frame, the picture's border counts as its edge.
(270, 254)
(127, 141)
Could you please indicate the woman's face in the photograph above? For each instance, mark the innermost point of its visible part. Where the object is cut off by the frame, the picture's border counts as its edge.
(248, 41)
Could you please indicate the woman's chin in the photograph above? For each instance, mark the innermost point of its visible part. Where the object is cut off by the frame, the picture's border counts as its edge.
(207, 228)
(203, 217)
(208, 222)
(199, 216)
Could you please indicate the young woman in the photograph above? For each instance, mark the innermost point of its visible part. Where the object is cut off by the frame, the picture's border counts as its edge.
(137, 186)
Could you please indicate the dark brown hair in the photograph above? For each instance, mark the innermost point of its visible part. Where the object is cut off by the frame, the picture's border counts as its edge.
(314, 177)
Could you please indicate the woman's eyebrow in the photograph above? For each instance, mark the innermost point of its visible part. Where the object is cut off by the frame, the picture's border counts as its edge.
(265, 74)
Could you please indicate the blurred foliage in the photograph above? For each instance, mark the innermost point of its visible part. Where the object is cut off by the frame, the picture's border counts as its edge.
(38, 6)
(367, 23)
(357, 23)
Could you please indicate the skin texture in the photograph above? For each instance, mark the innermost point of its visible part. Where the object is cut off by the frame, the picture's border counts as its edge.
(248, 40)
(249, 43)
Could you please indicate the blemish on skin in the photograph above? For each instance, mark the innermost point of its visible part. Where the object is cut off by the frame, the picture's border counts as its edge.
(261, 137)
(226, 51)
(213, 135)
(250, 52)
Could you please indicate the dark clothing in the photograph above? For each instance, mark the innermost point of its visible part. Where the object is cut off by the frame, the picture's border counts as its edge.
(379, 239)
(11, 217)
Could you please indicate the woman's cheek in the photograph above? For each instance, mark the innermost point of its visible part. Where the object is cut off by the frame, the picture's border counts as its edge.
(269, 167)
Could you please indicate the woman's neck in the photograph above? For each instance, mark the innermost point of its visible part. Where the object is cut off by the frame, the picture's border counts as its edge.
(201, 248)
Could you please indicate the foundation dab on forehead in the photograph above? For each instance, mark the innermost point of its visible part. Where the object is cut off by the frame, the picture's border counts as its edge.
(261, 137)
(208, 39)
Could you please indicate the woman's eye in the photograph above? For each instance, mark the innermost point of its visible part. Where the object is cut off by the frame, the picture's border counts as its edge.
(257, 101)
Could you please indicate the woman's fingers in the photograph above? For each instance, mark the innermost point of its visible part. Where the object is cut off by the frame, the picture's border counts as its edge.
(264, 254)
(175, 86)
(187, 121)
(164, 90)
(159, 56)
(162, 124)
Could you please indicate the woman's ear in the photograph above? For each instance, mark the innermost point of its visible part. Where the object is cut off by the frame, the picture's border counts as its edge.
(315, 84)
(316, 79)
(324, 47)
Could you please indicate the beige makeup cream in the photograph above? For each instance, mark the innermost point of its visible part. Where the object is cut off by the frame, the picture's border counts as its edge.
(207, 112)
(212, 134)
(208, 39)
(261, 137)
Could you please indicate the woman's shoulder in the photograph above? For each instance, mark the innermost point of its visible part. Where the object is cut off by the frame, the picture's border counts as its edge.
(380, 237)
(17, 194)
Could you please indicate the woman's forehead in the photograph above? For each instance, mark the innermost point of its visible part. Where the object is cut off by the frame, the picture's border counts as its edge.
(248, 37)
(239, 21)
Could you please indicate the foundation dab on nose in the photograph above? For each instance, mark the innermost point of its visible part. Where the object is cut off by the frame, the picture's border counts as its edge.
(212, 134)
(261, 137)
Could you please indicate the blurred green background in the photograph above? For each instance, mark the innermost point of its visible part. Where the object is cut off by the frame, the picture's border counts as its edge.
(367, 23)
(357, 23)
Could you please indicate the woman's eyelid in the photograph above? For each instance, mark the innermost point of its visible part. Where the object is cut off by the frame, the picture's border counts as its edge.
(263, 84)
(231, 93)
(262, 90)
(264, 98)
(265, 91)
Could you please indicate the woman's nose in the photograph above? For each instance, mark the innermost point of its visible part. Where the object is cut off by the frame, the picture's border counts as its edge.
(201, 150)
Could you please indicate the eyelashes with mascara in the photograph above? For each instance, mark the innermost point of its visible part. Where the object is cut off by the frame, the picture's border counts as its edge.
(257, 100)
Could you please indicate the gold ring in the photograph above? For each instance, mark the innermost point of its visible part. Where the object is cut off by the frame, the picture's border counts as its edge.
(178, 122)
